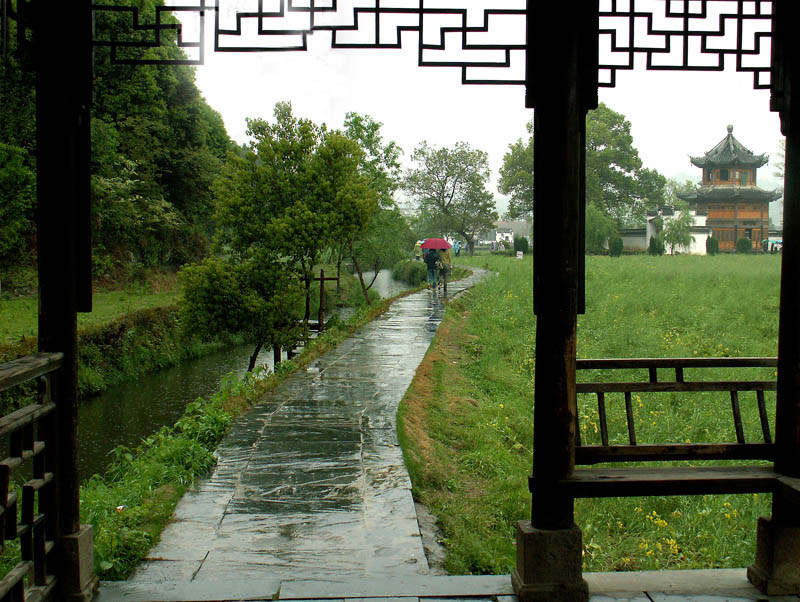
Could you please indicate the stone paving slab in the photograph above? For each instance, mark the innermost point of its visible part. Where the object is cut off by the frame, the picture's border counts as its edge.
(312, 481)
(717, 585)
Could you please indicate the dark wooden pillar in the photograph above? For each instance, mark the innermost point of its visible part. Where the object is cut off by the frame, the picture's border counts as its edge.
(561, 85)
(63, 45)
(787, 427)
(776, 570)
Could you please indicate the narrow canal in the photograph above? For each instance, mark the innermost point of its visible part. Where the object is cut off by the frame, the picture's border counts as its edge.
(127, 413)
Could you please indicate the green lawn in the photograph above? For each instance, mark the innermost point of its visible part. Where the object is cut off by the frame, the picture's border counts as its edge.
(18, 317)
(467, 420)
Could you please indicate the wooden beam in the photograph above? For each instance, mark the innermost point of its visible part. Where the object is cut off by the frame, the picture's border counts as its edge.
(627, 482)
(667, 452)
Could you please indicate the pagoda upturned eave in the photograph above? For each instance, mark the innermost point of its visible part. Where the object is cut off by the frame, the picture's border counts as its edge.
(730, 194)
(729, 152)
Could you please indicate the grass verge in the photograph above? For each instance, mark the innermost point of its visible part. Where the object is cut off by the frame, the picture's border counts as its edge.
(466, 422)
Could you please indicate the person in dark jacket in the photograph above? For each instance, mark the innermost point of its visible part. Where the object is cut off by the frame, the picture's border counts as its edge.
(431, 259)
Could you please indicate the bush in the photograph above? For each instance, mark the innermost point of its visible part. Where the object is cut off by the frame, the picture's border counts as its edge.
(410, 272)
(712, 246)
(656, 246)
(520, 244)
(744, 245)
(615, 247)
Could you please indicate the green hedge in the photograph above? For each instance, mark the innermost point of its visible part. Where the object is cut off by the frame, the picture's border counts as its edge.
(410, 272)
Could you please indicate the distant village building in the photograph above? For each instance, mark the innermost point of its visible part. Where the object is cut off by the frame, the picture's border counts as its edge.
(505, 232)
(638, 239)
(734, 206)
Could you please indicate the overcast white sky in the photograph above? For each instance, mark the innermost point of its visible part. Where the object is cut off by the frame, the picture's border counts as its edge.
(672, 114)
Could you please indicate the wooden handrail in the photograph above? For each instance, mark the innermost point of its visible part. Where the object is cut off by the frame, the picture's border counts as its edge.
(675, 362)
(740, 450)
(27, 368)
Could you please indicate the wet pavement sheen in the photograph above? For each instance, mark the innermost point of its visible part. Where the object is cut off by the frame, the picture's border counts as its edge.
(311, 483)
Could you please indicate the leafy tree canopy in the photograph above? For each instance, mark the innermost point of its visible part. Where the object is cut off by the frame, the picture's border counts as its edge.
(616, 182)
(381, 161)
(449, 186)
(516, 177)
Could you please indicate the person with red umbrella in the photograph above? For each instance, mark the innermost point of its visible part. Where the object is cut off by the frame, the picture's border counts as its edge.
(434, 262)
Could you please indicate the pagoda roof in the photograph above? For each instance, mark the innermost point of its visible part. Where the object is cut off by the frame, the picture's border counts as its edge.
(730, 193)
(729, 152)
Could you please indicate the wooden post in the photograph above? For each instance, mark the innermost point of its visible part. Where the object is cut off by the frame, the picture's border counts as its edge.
(321, 315)
(561, 84)
(63, 47)
(776, 569)
(787, 419)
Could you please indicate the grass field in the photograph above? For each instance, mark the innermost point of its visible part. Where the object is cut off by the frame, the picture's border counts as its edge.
(466, 422)
(18, 317)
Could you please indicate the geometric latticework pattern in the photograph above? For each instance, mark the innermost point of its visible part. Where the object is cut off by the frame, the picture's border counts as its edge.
(483, 38)
(686, 35)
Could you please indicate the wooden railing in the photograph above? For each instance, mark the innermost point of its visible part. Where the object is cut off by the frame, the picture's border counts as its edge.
(30, 433)
(674, 480)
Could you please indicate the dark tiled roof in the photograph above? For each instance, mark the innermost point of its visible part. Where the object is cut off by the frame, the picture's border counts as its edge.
(729, 152)
(730, 193)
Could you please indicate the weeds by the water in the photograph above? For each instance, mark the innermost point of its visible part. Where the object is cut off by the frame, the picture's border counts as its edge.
(466, 423)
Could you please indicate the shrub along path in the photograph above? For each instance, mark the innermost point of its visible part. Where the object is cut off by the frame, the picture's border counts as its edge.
(311, 483)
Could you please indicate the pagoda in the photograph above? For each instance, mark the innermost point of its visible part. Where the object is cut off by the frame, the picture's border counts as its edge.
(728, 195)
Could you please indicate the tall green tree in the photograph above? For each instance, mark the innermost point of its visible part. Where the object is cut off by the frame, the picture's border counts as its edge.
(380, 243)
(516, 177)
(381, 161)
(449, 185)
(616, 182)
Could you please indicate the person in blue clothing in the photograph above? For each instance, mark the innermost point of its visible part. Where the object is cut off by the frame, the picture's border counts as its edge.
(431, 259)
(457, 248)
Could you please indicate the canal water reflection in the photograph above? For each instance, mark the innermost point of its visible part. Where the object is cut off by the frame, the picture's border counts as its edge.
(127, 413)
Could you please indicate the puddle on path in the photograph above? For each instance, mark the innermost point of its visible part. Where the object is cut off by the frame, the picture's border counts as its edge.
(311, 483)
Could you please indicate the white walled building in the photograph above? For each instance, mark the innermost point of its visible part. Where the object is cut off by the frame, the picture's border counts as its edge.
(638, 239)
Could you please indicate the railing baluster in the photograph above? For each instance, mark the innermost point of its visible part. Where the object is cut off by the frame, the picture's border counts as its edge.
(653, 374)
(762, 412)
(737, 417)
(629, 413)
(30, 432)
(601, 410)
(679, 374)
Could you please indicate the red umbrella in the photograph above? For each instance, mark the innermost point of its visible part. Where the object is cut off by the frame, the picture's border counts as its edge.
(436, 243)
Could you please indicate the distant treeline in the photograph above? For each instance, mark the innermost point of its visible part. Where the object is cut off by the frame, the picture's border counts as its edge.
(156, 148)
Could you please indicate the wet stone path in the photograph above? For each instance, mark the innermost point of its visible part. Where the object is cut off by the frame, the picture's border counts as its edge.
(311, 483)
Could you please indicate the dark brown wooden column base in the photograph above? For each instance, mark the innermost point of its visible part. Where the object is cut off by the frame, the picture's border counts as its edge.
(81, 584)
(776, 571)
(549, 565)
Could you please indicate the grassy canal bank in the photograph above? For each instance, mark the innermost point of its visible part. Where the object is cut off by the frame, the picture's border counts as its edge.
(466, 422)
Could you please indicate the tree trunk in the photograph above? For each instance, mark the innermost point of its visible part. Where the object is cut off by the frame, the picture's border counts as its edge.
(360, 275)
(375, 270)
(254, 357)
